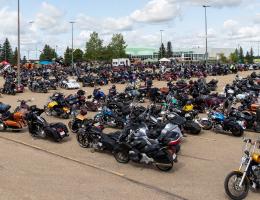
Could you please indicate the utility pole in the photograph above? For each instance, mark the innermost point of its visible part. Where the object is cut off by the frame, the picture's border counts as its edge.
(206, 32)
(72, 42)
(18, 48)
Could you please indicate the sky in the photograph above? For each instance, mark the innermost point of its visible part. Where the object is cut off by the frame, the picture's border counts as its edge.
(231, 23)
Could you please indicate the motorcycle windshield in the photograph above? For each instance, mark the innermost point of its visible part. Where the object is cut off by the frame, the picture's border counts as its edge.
(172, 127)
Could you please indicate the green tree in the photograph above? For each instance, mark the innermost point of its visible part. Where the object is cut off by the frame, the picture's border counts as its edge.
(7, 53)
(14, 62)
(78, 55)
(94, 47)
(48, 53)
(162, 51)
(24, 60)
(251, 61)
(234, 57)
(117, 46)
(169, 52)
(241, 55)
(67, 56)
(223, 58)
(247, 58)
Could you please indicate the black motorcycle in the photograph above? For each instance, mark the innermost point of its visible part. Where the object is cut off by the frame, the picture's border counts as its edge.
(39, 127)
(135, 145)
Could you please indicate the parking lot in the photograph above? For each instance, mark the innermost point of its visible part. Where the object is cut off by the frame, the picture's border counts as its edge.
(41, 169)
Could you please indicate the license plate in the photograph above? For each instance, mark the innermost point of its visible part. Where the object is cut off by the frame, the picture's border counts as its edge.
(62, 133)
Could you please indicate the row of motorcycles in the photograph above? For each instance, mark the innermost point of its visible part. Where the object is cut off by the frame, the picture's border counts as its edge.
(25, 116)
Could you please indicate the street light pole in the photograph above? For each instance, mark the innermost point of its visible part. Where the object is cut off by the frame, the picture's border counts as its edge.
(161, 41)
(18, 48)
(206, 32)
(72, 42)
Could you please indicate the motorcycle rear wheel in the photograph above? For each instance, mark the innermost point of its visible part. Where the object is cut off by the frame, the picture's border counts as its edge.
(83, 140)
(206, 124)
(164, 168)
(121, 157)
(237, 194)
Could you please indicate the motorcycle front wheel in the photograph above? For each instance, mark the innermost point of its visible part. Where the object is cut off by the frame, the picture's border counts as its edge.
(83, 140)
(237, 131)
(232, 186)
(121, 156)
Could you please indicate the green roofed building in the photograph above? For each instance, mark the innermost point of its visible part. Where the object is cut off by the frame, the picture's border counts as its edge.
(194, 54)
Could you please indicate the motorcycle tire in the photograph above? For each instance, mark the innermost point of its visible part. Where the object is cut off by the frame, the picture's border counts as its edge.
(65, 116)
(163, 167)
(237, 131)
(83, 140)
(120, 125)
(235, 186)
(70, 127)
(122, 157)
(206, 124)
(192, 127)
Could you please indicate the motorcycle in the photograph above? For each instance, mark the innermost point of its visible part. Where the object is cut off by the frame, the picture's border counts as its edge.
(39, 127)
(90, 135)
(11, 121)
(57, 107)
(238, 183)
(107, 117)
(136, 146)
(226, 125)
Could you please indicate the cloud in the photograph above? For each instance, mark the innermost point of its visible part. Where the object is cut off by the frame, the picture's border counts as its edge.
(157, 11)
(257, 18)
(51, 19)
(215, 3)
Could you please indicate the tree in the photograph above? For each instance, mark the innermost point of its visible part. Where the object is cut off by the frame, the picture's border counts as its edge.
(169, 52)
(78, 55)
(24, 60)
(251, 61)
(94, 47)
(14, 62)
(223, 58)
(117, 46)
(241, 55)
(67, 56)
(7, 53)
(162, 52)
(48, 53)
(234, 57)
(247, 58)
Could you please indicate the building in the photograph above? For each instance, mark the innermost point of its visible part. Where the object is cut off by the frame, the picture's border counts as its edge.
(182, 55)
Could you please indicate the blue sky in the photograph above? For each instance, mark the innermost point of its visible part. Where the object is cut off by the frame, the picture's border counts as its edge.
(230, 22)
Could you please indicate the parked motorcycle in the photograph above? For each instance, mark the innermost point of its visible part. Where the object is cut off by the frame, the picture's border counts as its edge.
(39, 127)
(223, 124)
(136, 146)
(11, 121)
(238, 183)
